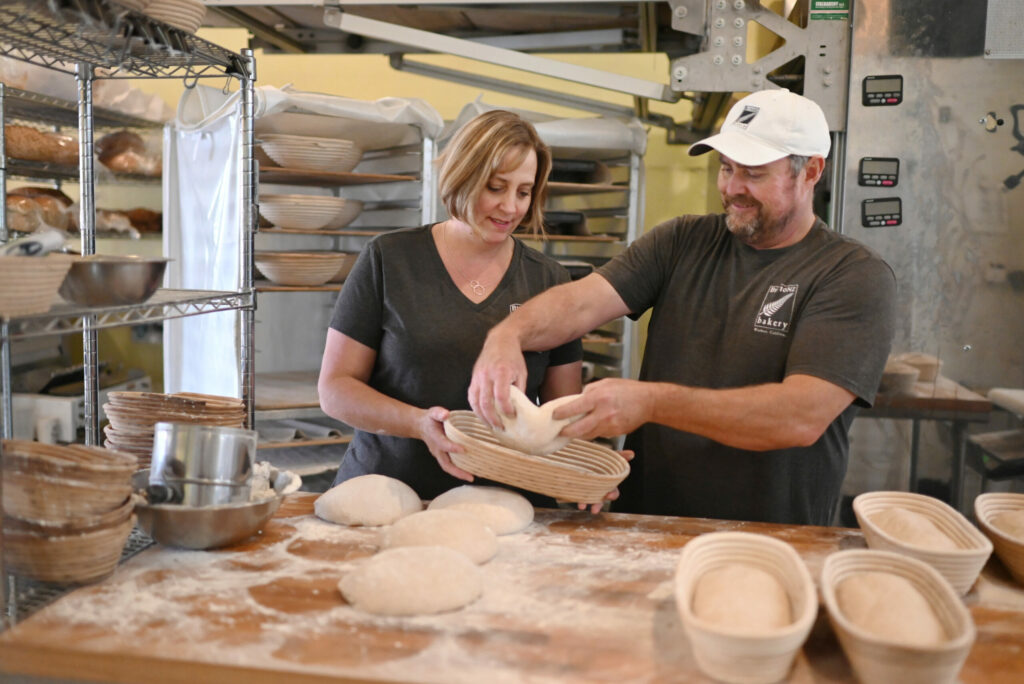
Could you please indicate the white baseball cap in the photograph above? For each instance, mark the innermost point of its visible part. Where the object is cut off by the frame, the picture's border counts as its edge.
(769, 125)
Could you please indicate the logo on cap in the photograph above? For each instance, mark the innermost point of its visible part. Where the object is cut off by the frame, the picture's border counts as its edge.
(746, 116)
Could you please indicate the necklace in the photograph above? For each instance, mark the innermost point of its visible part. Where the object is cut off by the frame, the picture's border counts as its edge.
(475, 285)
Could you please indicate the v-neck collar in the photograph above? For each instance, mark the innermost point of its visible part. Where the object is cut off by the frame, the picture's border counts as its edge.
(485, 302)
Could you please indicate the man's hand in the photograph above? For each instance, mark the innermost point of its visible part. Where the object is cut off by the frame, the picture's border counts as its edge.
(610, 496)
(610, 407)
(431, 430)
(499, 365)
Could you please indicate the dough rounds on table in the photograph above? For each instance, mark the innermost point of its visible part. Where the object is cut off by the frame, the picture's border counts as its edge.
(504, 511)
(413, 580)
(890, 607)
(742, 598)
(913, 528)
(453, 529)
(1010, 522)
(532, 430)
(367, 500)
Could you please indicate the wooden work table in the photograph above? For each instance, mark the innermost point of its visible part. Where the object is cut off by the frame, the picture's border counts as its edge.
(574, 598)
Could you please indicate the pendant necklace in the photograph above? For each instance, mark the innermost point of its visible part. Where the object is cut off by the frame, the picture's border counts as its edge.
(475, 285)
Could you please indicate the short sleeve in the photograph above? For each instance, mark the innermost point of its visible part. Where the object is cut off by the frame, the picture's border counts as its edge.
(844, 334)
(359, 309)
(639, 273)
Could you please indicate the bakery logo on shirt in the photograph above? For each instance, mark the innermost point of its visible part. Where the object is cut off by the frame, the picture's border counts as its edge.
(746, 116)
(776, 312)
(513, 307)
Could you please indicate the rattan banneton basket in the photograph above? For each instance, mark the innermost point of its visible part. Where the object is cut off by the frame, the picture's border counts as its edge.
(580, 472)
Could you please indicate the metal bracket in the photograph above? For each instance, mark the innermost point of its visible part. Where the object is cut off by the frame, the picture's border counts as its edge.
(434, 42)
(723, 67)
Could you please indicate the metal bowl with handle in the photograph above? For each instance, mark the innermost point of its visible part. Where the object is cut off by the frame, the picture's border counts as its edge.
(209, 527)
(101, 280)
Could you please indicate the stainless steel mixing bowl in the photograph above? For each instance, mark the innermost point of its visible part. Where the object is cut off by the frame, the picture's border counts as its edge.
(205, 465)
(205, 527)
(100, 280)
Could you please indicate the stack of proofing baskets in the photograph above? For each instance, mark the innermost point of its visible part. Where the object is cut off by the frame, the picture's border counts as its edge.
(67, 510)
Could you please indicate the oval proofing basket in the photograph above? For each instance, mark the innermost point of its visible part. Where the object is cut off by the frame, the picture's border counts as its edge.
(1009, 548)
(960, 567)
(581, 471)
(875, 659)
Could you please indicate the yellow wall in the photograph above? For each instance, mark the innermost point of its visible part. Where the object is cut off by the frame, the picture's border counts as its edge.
(676, 183)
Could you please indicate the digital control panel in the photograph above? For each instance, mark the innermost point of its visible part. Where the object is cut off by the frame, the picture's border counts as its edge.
(882, 91)
(883, 171)
(881, 211)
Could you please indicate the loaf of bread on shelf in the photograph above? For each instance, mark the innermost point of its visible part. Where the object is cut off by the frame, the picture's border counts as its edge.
(125, 152)
(145, 220)
(31, 144)
(27, 213)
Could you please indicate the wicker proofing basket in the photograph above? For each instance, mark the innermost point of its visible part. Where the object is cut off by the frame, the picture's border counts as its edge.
(78, 558)
(743, 658)
(960, 567)
(581, 471)
(46, 499)
(875, 660)
(73, 462)
(28, 285)
(1009, 549)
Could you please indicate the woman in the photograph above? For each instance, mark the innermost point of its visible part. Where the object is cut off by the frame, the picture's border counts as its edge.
(416, 307)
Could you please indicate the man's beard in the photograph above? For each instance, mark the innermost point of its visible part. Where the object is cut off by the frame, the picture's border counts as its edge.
(759, 229)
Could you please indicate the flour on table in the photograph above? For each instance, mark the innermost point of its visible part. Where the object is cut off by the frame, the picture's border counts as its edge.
(890, 607)
(502, 510)
(368, 500)
(741, 598)
(456, 530)
(413, 580)
(913, 528)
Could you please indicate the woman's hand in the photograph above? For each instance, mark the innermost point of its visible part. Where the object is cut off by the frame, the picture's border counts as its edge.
(610, 496)
(430, 428)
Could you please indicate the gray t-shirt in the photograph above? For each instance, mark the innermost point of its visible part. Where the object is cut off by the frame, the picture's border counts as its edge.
(728, 315)
(400, 301)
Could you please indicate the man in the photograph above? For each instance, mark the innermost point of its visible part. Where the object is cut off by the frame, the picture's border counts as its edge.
(767, 329)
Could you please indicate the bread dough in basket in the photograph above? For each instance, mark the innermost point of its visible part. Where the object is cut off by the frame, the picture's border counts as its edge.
(742, 598)
(1010, 522)
(890, 607)
(533, 430)
(913, 528)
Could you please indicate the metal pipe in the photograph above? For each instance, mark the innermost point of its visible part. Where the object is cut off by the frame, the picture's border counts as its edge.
(838, 182)
(4, 235)
(84, 75)
(249, 209)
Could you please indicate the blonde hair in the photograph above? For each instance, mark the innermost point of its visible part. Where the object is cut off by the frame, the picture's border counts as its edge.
(477, 152)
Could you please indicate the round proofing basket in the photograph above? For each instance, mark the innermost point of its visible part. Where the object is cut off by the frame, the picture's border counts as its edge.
(1009, 549)
(28, 285)
(580, 471)
(46, 499)
(73, 462)
(80, 524)
(76, 558)
(745, 658)
(876, 660)
(960, 567)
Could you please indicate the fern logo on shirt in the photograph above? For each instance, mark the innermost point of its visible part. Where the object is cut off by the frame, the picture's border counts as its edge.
(513, 307)
(776, 312)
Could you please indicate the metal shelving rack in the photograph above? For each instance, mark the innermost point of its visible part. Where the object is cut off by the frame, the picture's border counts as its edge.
(101, 39)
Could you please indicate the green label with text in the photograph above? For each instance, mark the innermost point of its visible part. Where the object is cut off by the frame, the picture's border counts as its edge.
(830, 5)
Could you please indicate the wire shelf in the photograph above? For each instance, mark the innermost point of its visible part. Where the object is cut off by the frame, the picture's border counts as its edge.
(164, 305)
(122, 43)
(22, 104)
(48, 171)
(31, 595)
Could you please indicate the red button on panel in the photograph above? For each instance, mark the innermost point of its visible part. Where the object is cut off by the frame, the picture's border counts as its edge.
(886, 182)
(891, 99)
(891, 223)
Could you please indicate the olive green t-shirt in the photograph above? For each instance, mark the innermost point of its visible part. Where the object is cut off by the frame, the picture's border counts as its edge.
(727, 315)
(400, 301)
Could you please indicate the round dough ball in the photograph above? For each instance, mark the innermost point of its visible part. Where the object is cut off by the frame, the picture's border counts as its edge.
(504, 511)
(453, 529)
(367, 500)
(890, 607)
(413, 580)
(742, 598)
(532, 430)
(913, 528)
(1010, 522)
